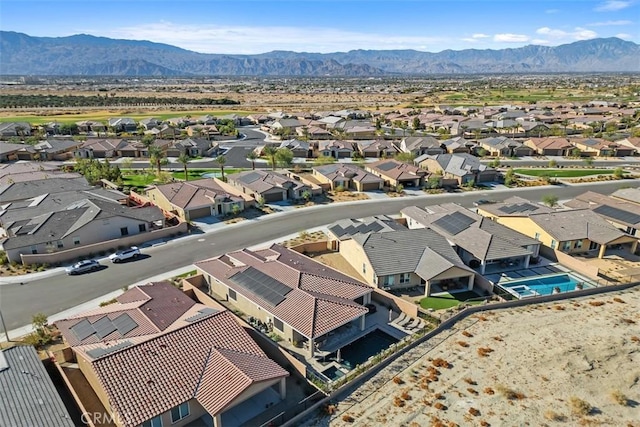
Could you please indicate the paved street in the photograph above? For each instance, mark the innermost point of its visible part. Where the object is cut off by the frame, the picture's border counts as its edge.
(54, 294)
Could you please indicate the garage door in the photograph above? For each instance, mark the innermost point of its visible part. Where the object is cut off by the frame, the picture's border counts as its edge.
(370, 186)
(200, 212)
(273, 197)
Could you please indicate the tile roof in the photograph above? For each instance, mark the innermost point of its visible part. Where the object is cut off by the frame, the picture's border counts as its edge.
(29, 397)
(261, 181)
(316, 290)
(153, 308)
(396, 252)
(396, 170)
(577, 224)
(483, 238)
(194, 194)
(553, 143)
(609, 207)
(339, 171)
(515, 206)
(347, 228)
(458, 164)
(628, 194)
(213, 360)
(28, 189)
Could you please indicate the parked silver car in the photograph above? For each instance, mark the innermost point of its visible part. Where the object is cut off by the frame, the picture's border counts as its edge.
(83, 267)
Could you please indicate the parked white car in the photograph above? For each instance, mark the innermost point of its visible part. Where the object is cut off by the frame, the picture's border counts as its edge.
(132, 252)
(83, 267)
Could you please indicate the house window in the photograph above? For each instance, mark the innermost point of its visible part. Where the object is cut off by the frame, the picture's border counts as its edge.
(364, 267)
(34, 249)
(76, 240)
(153, 422)
(179, 412)
(233, 295)
(566, 246)
(277, 323)
(59, 244)
(553, 244)
(124, 231)
(593, 245)
(537, 236)
(142, 228)
(578, 244)
(388, 280)
(375, 279)
(405, 277)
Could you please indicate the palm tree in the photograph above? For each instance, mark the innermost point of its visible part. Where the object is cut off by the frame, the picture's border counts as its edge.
(270, 152)
(252, 157)
(155, 156)
(184, 159)
(221, 160)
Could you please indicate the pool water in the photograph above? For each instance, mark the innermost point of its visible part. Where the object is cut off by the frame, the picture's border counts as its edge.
(333, 373)
(364, 347)
(544, 285)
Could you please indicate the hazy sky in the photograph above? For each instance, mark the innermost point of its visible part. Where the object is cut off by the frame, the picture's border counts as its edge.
(258, 26)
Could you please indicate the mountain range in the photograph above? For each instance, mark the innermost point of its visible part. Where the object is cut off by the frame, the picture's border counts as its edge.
(21, 54)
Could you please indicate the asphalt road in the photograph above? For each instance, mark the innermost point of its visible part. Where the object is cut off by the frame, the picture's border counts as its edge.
(55, 294)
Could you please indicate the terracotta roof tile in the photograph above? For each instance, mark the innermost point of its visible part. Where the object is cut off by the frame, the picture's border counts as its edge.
(207, 360)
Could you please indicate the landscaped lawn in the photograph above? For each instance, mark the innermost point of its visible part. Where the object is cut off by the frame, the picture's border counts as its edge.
(139, 180)
(447, 300)
(564, 173)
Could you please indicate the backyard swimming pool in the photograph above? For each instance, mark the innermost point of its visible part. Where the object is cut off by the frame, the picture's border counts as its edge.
(363, 348)
(544, 285)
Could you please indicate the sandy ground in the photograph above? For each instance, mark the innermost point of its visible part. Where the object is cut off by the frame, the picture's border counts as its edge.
(537, 362)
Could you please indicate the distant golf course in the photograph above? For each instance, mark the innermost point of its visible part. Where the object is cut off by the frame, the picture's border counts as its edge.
(564, 173)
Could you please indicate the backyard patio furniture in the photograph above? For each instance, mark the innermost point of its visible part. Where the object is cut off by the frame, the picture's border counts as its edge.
(413, 324)
(405, 322)
(399, 319)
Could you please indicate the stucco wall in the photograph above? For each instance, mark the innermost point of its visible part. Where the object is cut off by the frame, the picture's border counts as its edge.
(353, 253)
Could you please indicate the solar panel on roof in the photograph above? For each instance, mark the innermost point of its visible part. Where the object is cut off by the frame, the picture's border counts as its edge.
(524, 207)
(266, 287)
(104, 327)
(100, 352)
(619, 214)
(454, 223)
(250, 177)
(202, 313)
(387, 166)
(124, 323)
(83, 330)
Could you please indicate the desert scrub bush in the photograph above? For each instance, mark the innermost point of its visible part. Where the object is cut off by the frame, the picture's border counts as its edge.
(579, 406)
(348, 418)
(475, 412)
(489, 390)
(405, 395)
(620, 300)
(484, 351)
(330, 409)
(635, 338)
(469, 381)
(441, 406)
(596, 303)
(472, 391)
(628, 321)
(398, 402)
(463, 344)
(554, 416)
(438, 396)
(108, 302)
(558, 307)
(483, 423)
(398, 380)
(509, 393)
(498, 338)
(467, 334)
(619, 397)
(441, 363)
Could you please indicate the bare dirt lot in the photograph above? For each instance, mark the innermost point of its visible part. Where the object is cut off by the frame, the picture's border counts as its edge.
(570, 363)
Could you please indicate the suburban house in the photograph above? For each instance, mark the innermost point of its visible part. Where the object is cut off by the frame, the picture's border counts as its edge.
(300, 299)
(401, 259)
(313, 132)
(533, 127)
(462, 167)
(55, 149)
(335, 148)
(285, 126)
(150, 123)
(601, 147)
(87, 126)
(458, 145)
(359, 131)
(194, 147)
(208, 131)
(268, 185)
(347, 176)
(551, 146)
(631, 142)
(122, 124)
(29, 397)
(30, 171)
(419, 145)
(347, 228)
(105, 149)
(85, 222)
(19, 129)
(503, 146)
(480, 242)
(190, 200)
(8, 151)
(379, 148)
(571, 231)
(619, 213)
(156, 357)
(298, 148)
(397, 173)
